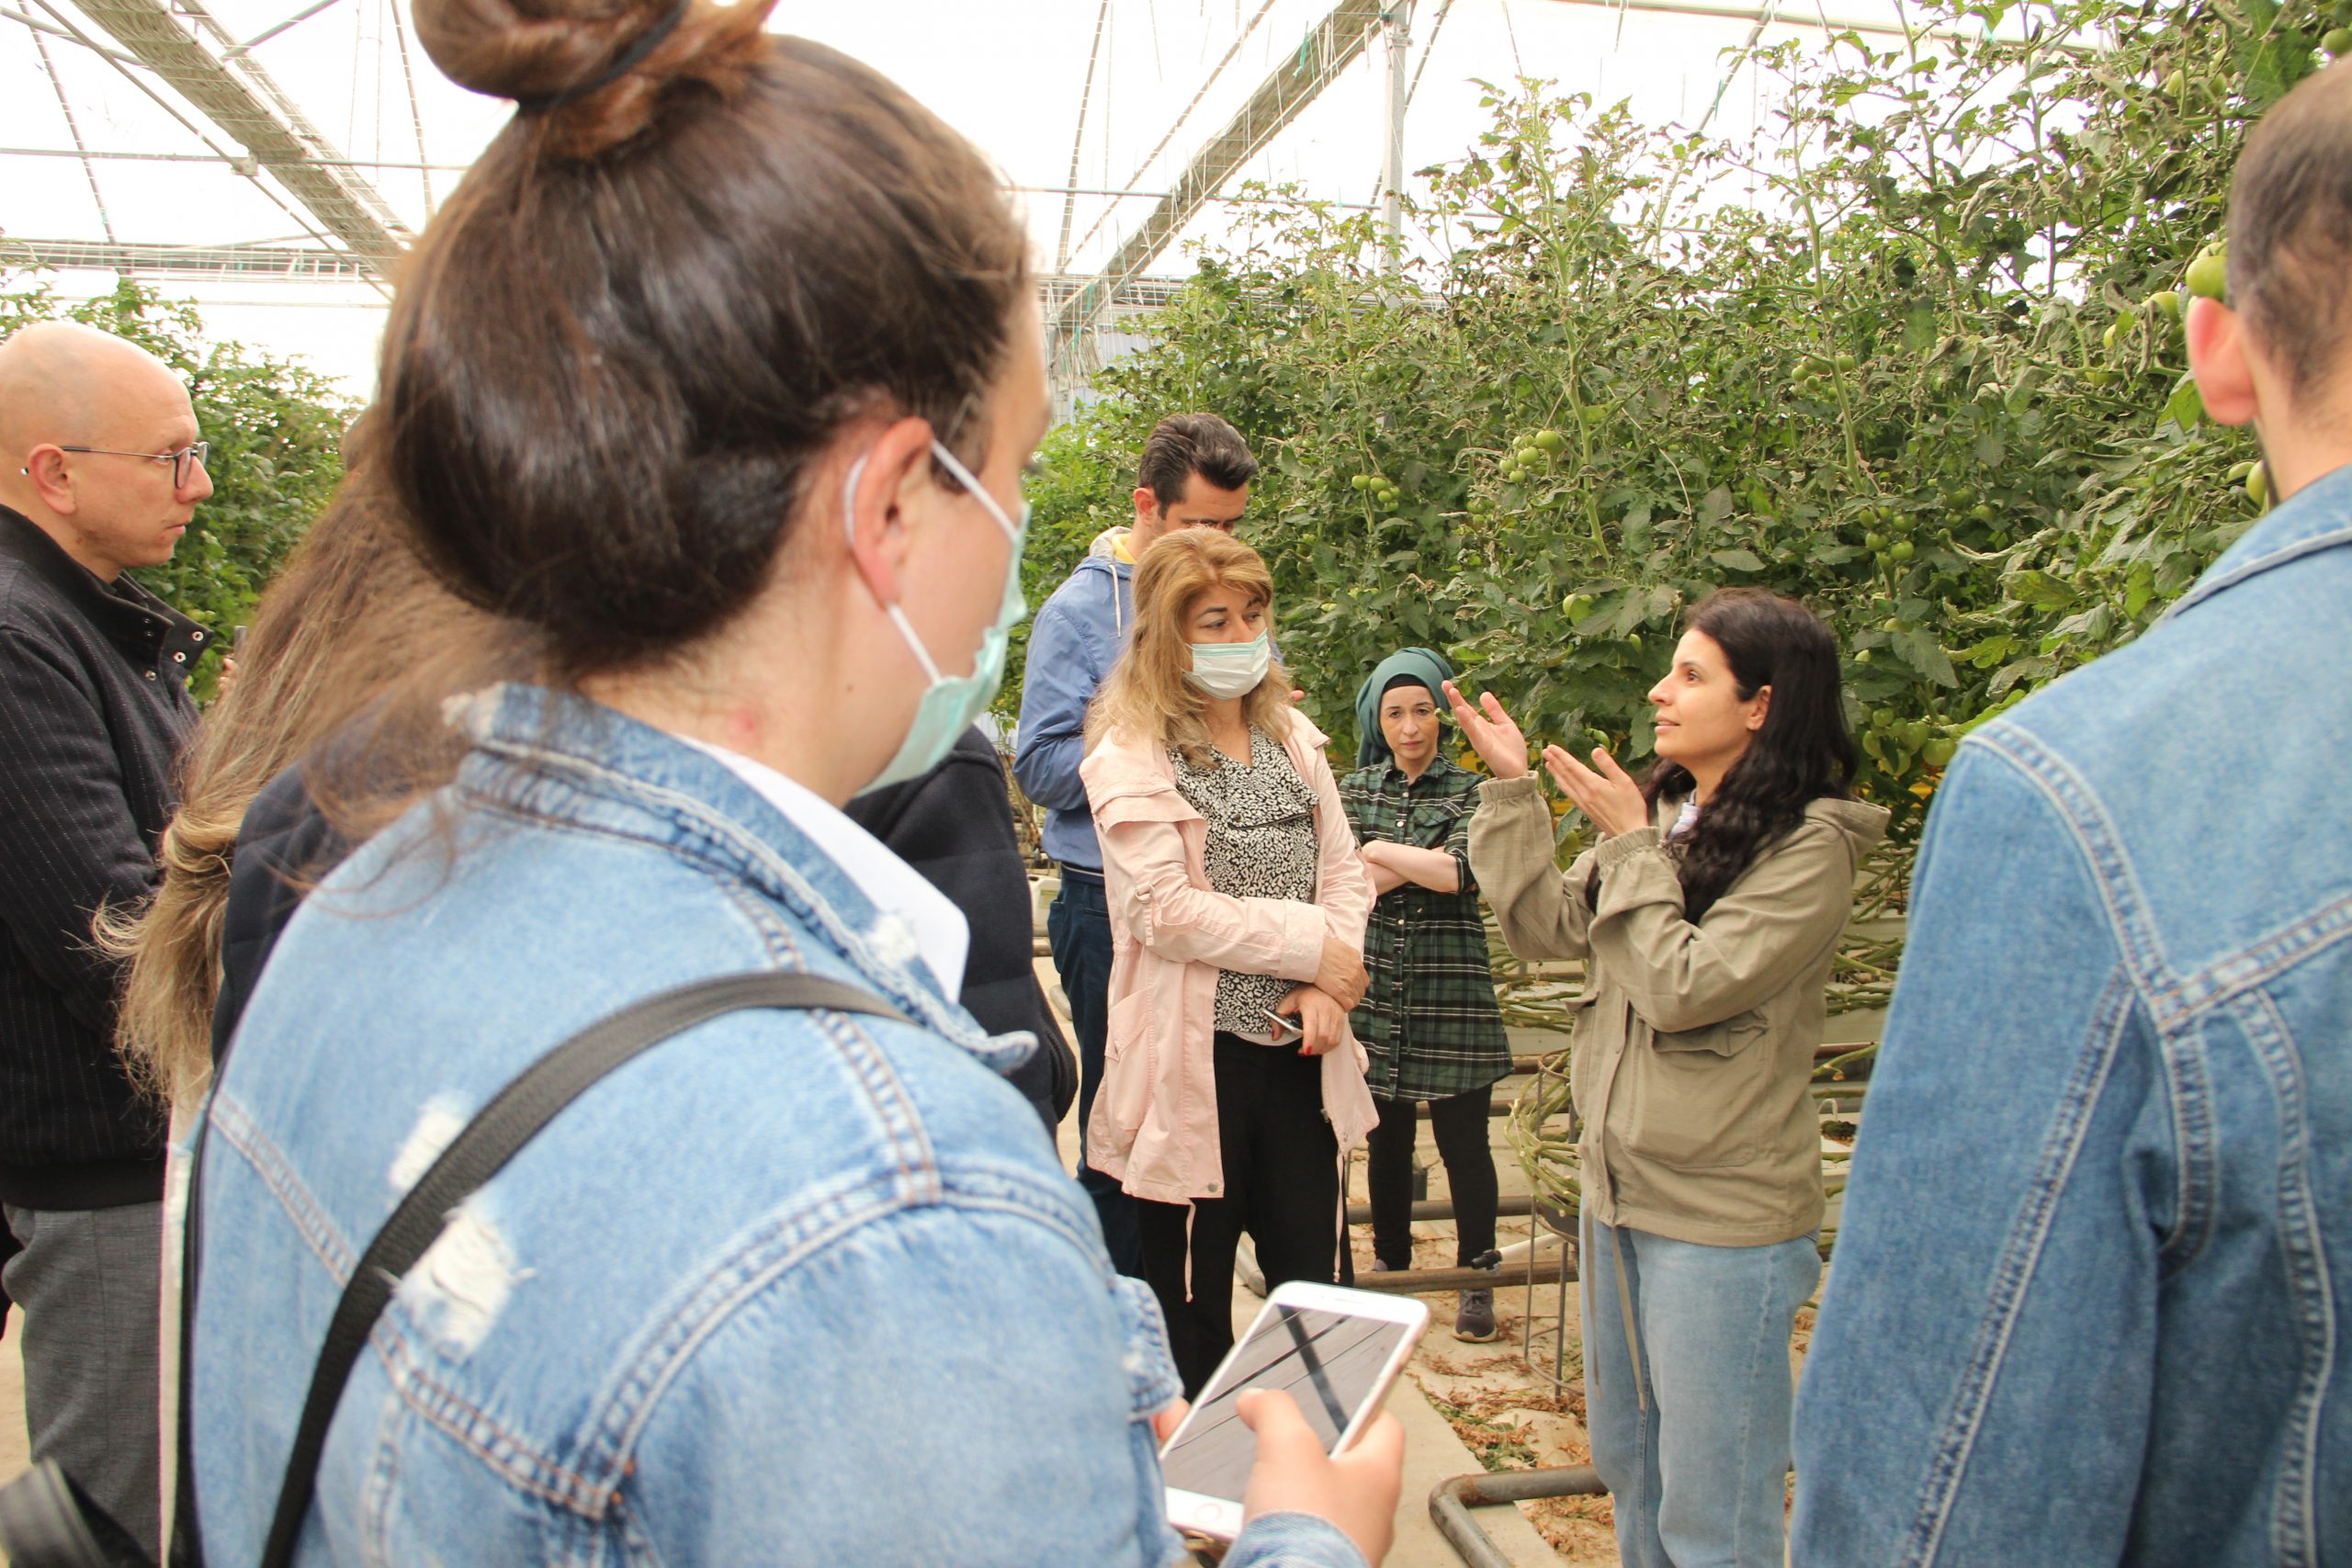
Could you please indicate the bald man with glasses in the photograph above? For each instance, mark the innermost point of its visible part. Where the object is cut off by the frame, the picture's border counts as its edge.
(101, 469)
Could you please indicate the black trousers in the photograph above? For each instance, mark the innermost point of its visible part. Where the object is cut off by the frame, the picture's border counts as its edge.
(1461, 1124)
(1282, 1186)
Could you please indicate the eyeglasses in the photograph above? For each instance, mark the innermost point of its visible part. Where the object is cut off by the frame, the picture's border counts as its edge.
(190, 456)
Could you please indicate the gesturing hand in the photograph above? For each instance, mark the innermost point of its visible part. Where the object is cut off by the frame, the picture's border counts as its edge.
(1492, 734)
(1605, 793)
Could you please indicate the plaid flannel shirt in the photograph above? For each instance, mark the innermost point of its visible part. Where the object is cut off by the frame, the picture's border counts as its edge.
(1429, 1018)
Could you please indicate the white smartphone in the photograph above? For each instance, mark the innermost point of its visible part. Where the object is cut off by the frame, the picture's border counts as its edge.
(1285, 1027)
(1333, 1350)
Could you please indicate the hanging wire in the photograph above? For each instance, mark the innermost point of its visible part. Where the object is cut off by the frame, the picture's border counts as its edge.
(377, 148)
(89, 170)
(1078, 142)
(415, 114)
(1427, 49)
(1151, 157)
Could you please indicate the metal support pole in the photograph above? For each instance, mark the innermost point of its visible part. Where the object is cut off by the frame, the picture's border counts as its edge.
(1398, 20)
(1451, 1502)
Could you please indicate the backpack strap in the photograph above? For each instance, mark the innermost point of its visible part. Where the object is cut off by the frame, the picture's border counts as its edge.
(510, 1120)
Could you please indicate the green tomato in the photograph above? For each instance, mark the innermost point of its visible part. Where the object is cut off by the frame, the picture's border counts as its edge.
(1902, 549)
(1885, 717)
(2208, 277)
(2165, 300)
(1516, 474)
(1848, 362)
(1576, 605)
(1873, 541)
(1915, 735)
(1529, 457)
(1983, 513)
(1862, 656)
(1551, 440)
(1634, 640)
(2336, 40)
(2257, 484)
(1939, 751)
(1360, 481)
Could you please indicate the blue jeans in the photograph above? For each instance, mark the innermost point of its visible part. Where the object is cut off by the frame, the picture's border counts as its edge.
(1698, 1476)
(1077, 927)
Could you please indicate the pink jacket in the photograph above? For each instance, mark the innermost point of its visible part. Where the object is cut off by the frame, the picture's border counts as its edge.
(1154, 1126)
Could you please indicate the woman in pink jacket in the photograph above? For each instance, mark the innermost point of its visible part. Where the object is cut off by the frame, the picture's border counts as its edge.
(1232, 1087)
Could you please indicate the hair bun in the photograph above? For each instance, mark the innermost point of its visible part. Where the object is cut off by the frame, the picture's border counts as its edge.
(593, 70)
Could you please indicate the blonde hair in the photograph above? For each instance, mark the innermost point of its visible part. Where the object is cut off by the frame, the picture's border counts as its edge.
(1146, 695)
(352, 634)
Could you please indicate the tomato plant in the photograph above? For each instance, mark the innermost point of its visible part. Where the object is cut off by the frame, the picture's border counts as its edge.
(1912, 354)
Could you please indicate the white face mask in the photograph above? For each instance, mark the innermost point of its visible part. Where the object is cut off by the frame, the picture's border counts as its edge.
(950, 702)
(1230, 668)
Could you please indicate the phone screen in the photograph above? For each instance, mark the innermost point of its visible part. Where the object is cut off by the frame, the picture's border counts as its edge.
(1330, 1362)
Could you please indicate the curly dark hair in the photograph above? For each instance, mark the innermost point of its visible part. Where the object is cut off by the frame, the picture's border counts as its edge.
(1801, 752)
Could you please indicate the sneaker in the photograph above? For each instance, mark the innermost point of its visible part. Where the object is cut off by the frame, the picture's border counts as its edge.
(1474, 1319)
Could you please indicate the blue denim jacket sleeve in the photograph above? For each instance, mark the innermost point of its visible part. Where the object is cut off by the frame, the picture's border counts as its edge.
(1027, 1448)
(1992, 1303)
(1058, 680)
(946, 1446)
(1292, 1540)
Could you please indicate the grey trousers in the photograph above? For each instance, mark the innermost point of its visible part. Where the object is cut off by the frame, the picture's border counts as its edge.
(90, 1282)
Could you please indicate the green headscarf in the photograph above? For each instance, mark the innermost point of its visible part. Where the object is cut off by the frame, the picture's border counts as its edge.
(1426, 665)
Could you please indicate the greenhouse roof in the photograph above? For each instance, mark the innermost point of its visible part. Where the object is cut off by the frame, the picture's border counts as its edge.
(268, 158)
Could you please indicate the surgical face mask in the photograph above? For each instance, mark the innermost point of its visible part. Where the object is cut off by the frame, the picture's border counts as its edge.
(1230, 668)
(950, 702)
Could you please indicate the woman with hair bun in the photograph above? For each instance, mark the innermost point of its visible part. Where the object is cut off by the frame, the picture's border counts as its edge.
(1707, 916)
(711, 388)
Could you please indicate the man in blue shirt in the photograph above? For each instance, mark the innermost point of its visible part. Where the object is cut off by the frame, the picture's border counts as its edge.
(1196, 474)
(2093, 1295)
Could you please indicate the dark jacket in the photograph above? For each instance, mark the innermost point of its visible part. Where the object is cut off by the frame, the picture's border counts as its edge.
(94, 711)
(954, 825)
(285, 846)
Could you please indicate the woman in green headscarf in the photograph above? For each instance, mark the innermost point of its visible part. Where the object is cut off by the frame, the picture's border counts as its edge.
(1429, 1020)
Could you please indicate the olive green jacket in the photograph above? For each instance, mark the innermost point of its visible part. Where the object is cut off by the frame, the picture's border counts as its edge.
(1692, 1046)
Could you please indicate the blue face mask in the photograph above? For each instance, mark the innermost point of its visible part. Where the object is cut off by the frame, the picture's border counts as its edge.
(950, 702)
(1225, 670)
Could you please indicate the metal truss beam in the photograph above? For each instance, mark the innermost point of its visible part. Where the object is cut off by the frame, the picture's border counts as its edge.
(246, 104)
(272, 264)
(315, 264)
(1329, 47)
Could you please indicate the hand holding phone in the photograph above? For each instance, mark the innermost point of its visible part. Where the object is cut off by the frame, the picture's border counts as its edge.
(1285, 1028)
(1324, 1446)
(1357, 1490)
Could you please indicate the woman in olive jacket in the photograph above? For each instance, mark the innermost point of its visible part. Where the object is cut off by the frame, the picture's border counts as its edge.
(1707, 915)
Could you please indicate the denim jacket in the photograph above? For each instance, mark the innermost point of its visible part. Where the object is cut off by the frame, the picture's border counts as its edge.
(2092, 1300)
(794, 1287)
